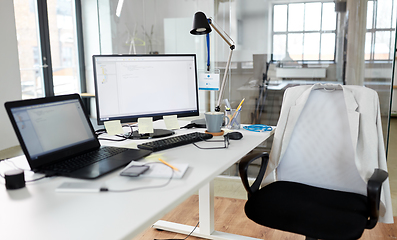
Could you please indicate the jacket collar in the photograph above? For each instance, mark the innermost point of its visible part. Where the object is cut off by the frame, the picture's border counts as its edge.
(295, 111)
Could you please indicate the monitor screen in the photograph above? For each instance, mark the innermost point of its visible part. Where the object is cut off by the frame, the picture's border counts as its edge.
(128, 87)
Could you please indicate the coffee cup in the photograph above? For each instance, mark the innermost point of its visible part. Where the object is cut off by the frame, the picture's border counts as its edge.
(214, 121)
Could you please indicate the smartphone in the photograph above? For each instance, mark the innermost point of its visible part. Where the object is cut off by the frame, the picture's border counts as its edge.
(134, 170)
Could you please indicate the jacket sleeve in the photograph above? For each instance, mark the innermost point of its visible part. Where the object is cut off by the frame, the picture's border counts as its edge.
(386, 210)
(274, 156)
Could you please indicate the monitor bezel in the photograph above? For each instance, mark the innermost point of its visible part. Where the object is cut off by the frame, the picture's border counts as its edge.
(157, 115)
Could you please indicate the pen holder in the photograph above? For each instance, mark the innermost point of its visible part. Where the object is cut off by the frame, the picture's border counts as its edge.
(234, 122)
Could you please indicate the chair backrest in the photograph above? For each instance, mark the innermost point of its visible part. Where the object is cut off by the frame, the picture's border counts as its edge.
(320, 152)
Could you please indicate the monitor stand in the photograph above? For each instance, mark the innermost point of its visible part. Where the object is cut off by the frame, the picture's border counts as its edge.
(157, 133)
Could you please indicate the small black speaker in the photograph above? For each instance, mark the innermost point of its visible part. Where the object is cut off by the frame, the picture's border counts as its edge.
(15, 179)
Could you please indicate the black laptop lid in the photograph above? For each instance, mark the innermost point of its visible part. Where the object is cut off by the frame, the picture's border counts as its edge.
(51, 129)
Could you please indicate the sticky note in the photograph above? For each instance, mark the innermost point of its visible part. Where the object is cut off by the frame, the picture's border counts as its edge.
(171, 122)
(113, 127)
(145, 125)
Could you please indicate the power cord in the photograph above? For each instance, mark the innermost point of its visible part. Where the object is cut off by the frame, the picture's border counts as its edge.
(180, 238)
(191, 125)
(225, 141)
(123, 137)
(32, 180)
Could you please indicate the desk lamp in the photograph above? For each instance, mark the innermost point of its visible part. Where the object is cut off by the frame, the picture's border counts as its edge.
(201, 26)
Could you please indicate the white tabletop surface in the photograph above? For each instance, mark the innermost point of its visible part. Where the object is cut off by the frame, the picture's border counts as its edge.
(38, 212)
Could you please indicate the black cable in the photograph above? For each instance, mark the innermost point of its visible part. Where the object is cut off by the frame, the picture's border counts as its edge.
(17, 166)
(37, 179)
(131, 132)
(115, 140)
(4, 159)
(33, 180)
(181, 238)
(124, 137)
(192, 231)
(104, 189)
(192, 125)
(225, 140)
(100, 131)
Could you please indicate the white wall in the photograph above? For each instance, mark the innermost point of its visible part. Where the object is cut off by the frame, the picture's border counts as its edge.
(10, 80)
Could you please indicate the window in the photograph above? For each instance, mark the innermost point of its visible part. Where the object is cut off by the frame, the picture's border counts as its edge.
(381, 24)
(50, 56)
(304, 31)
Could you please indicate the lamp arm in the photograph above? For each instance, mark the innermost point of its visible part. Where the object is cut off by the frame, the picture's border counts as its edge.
(230, 42)
(218, 108)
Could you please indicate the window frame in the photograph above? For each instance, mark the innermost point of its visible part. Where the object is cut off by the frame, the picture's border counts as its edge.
(45, 48)
(287, 31)
(373, 30)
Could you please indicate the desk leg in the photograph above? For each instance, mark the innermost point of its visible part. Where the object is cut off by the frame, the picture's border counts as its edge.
(206, 208)
(206, 212)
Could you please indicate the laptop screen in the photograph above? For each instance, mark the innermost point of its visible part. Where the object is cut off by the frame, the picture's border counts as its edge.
(51, 127)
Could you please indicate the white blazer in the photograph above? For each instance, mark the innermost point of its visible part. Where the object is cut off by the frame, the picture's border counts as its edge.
(365, 129)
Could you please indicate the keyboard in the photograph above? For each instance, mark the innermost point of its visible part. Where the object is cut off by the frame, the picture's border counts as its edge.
(175, 141)
(72, 164)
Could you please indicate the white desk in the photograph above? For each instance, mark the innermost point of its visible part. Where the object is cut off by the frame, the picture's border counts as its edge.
(38, 212)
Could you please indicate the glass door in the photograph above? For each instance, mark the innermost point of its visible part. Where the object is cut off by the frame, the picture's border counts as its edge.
(29, 49)
(48, 47)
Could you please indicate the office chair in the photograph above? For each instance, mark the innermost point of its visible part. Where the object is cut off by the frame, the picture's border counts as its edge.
(318, 191)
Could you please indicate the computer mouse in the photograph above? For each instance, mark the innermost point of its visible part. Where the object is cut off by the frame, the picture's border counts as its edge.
(235, 135)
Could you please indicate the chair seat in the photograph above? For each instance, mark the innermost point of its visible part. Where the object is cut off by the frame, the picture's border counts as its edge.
(292, 207)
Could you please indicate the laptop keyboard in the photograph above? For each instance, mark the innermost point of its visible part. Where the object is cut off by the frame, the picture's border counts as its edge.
(73, 164)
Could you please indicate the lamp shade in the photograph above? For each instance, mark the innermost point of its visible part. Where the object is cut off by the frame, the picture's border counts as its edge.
(200, 24)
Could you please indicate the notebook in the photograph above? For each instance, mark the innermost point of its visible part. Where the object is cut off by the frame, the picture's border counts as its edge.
(57, 138)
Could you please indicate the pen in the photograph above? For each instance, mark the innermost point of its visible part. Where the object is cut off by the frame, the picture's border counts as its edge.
(237, 110)
(239, 106)
(234, 120)
(169, 165)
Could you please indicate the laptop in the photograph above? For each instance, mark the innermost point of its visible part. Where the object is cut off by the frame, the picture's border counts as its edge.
(57, 138)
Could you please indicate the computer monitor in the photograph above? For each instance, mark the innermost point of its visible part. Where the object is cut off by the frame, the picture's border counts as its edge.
(128, 87)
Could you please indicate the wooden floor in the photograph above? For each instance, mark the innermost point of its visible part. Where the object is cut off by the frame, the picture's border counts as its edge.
(230, 218)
